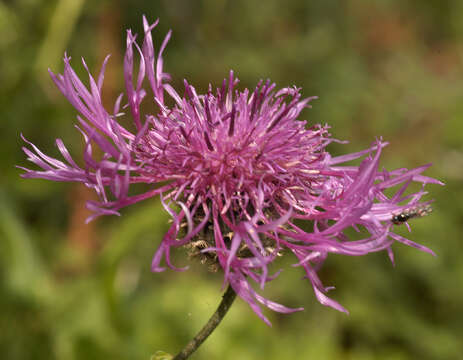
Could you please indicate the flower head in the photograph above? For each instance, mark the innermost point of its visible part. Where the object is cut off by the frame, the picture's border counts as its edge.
(236, 171)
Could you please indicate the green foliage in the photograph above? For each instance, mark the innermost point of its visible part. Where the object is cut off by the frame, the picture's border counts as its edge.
(161, 355)
(380, 68)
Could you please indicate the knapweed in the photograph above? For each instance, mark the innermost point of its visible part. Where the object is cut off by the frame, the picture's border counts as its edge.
(236, 170)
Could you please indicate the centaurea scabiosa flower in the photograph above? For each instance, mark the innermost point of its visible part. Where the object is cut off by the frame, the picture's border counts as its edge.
(235, 169)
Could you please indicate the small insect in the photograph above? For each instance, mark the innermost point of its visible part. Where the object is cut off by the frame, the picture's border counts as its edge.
(410, 213)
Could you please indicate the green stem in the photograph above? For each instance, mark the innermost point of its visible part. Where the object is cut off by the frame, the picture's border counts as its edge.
(216, 318)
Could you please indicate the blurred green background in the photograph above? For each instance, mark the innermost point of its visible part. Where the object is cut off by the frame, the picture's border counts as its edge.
(73, 291)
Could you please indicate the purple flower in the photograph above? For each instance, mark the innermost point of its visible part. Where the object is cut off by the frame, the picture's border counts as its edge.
(236, 170)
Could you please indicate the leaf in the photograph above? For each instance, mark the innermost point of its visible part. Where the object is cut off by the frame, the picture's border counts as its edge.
(161, 355)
